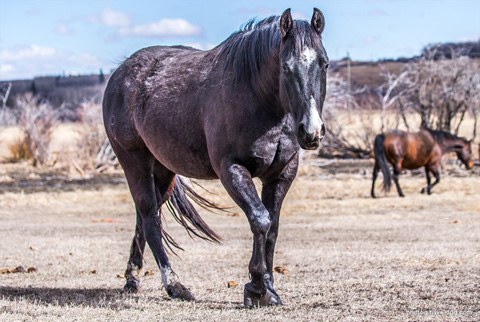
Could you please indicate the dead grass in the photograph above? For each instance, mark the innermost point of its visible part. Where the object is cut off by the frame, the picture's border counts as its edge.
(350, 257)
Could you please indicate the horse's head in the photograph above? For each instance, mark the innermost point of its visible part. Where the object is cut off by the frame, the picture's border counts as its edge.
(465, 154)
(303, 76)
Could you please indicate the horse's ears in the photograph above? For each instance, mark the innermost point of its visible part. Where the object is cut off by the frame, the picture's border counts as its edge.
(318, 21)
(286, 23)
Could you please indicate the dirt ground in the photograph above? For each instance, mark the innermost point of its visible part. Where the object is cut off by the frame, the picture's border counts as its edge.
(349, 257)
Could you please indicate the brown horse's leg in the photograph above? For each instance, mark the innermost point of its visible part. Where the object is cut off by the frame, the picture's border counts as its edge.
(376, 169)
(436, 173)
(396, 173)
(273, 193)
(429, 180)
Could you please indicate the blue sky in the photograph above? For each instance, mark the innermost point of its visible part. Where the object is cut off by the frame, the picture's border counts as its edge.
(54, 37)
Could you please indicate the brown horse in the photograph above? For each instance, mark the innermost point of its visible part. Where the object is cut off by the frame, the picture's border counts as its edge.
(425, 148)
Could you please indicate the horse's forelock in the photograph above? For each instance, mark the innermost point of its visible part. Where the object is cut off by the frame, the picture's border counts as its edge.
(247, 50)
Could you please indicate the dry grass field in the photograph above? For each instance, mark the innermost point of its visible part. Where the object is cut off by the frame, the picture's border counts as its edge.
(349, 257)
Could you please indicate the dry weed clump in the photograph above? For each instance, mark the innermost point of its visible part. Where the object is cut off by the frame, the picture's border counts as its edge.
(19, 150)
(37, 121)
(91, 148)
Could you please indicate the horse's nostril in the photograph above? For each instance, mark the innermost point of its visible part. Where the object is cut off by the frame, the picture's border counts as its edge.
(322, 131)
(301, 130)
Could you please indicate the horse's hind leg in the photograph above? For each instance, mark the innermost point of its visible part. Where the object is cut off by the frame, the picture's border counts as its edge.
(135, 262)
(396, 173)
(376, 169)
(164, 185)
(150, 185)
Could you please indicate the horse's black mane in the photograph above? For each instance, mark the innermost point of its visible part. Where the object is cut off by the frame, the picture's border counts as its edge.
(439, 136)
(246, 50)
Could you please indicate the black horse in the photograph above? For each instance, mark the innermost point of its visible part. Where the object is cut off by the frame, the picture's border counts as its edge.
(238, 111)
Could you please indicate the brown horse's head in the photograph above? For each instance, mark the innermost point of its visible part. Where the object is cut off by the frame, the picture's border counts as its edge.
(465, 154)
(303, 76)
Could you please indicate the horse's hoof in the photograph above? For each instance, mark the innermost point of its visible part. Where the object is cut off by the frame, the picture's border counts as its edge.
(429, 192)
(178, 291)
(251, 299)
(402, 195)
(132, 287)
(423, 190)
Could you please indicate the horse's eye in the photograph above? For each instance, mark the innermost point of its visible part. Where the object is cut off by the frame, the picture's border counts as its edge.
(285, 68)
(325, 67)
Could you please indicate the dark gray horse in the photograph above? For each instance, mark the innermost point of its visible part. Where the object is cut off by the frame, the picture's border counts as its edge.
(238, 111)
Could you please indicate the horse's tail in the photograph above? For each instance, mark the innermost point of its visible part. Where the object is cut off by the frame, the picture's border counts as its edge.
(184, 213)
(379, 148)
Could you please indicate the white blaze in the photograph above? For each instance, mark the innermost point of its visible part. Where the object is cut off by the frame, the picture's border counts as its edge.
(312, 121)
(308, 56)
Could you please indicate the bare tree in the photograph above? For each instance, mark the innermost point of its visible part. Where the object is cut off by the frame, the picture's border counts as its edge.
(340, 105)
(389, 93)
(4, 93)
(442, 92)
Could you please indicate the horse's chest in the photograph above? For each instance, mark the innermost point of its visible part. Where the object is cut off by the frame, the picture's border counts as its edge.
(270, 155)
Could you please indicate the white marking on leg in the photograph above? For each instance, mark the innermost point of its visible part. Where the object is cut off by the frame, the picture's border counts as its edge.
(168, 276)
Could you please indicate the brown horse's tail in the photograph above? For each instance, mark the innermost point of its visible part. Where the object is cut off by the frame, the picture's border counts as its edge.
(382, 161)
(184, 213)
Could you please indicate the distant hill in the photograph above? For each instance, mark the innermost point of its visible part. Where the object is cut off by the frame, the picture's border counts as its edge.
(58, 90)
(448, 50)
(370, 73)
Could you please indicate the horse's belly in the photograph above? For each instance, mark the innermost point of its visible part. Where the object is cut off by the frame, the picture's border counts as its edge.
(185, 159)
(412, 163)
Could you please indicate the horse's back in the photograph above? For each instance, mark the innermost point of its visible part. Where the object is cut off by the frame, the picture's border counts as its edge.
(153, 101)
(121, 93)
(412, 149)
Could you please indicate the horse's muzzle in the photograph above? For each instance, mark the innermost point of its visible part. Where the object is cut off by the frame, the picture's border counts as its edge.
(469, 165)
(310, 141)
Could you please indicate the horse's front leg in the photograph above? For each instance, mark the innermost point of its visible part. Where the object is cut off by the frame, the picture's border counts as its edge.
(429, 180)
(436, 173)
(273, 194)
(238, 182)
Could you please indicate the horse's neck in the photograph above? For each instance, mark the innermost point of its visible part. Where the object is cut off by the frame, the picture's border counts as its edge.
(267, 85)
(451, 145)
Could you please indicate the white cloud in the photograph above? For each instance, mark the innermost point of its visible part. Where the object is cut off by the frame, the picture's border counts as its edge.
(256, 11)
(300, 16)
(200, 46)
(370, 40)
(86, 60)
(377, 13)
(33, 60)
(63, 30)
(113, 18)
(6, 68)
(28, 52)
(468, 39)
(163, 28)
